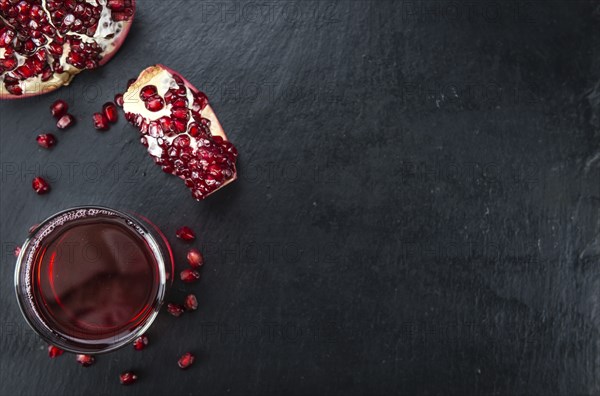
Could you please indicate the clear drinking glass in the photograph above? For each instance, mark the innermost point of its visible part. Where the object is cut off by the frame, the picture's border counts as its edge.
(91, 279)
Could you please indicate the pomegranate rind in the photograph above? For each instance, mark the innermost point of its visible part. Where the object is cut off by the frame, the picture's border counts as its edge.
(68, 76)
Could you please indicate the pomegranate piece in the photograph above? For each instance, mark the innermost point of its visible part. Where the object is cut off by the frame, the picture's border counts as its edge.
(189, 275)
(181, 131)
(111, 112)
(17, 251)
(186, 233)
(100, 122)
(191, 302)
(175, 309)
(54, 352)
(59, 108)
(65, 121)
(40, 185)
(140, 343)
(85, 360)
(45, 43)
(46, 140)
(127, 378)
(195, 258)
(119, 100)
(186, 360)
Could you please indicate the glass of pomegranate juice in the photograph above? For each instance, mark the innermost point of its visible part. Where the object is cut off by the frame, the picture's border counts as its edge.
(91, 279)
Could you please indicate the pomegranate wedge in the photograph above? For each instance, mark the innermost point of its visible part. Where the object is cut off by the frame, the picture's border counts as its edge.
(45, 43)
(180, 130)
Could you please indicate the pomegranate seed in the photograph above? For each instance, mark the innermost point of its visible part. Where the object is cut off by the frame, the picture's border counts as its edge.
(191, 302)
(65, 121)
(85, 360)
(155, 104)
(147, 92)
(59, 108)
(189, 275)
(17, 251)
(131, 82)
(100, 122)
(127, 378)
(186, 360)
(119, 100)
(195, 258)
(140, 343)
(54, 352)
(186, 233)
(175, 309)
(111, 112)
(46, 140)
(40, 185)
(33, 228)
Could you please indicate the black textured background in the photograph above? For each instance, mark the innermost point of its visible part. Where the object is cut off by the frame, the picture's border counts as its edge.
(417, 209)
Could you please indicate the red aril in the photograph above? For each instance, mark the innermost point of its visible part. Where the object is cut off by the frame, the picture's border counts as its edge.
(127, 378)
(59, 108)
(54, 352)
(195, 258)
(45, 43)
(119, 100)
(140, 343)
(186, 360)
(111, 112)
(189, 275)
(191, 302)
(46, 140)
(185, 233)
(17, 251)
(180, 130)
(65, 121)
(85, 360)
(40, 185)
(100, 122)
(175, 309)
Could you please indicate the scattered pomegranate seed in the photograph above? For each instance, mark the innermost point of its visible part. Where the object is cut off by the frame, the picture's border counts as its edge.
(100, 122)
(191, 303)
(40, 185)
(111, 112)
(140, 343)
(54, 352)
(17, 251)
(175, 309)
(65, 121)
(59, 108)
(130, 82)
(119, 100)
(186, 234)
(186, 360)
(195, 258)
(85, 360)
(189, 275)
(46, 140)
(127, 378)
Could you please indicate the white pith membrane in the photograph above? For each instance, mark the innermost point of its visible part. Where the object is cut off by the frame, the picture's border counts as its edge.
(106, 38)
(138, 114)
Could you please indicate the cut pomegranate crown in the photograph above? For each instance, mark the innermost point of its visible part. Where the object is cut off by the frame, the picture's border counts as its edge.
(180, 130)
(45, 43)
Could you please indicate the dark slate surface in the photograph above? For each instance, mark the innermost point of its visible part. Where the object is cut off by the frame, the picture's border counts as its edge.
(417, 209)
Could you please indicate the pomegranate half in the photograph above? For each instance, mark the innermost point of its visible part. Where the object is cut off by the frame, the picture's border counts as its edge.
(45, 43)
(181, 130)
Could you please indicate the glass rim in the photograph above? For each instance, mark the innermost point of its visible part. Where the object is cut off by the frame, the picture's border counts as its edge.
(159, 248)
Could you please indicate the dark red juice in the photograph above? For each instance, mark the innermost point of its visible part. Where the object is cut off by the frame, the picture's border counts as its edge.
(94, 279)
